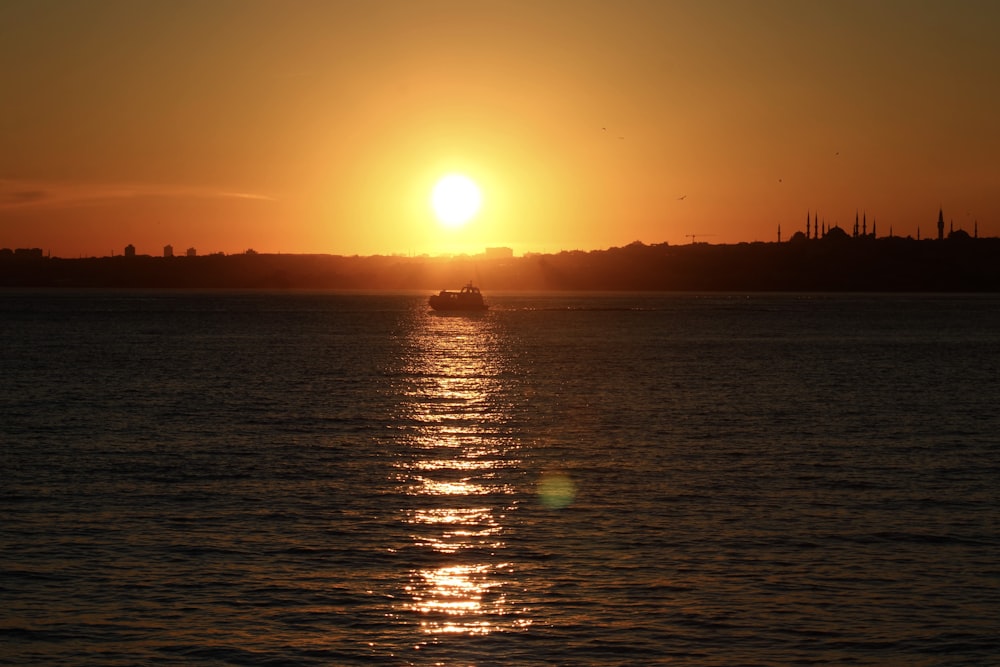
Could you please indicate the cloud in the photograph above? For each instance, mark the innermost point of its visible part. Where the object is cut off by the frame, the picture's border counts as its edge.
(24, 194)
(21, 197)
(246, 195)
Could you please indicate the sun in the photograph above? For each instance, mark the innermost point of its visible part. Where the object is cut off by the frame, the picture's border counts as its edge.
(456, 200)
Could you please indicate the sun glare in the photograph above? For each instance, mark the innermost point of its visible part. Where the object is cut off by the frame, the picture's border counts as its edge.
(456, 200)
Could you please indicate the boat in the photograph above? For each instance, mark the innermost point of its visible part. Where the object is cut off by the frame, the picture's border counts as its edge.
(468, 298)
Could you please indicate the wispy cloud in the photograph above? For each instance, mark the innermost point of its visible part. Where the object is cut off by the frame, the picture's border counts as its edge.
(21, 197)
(246, 195)
(60, 194)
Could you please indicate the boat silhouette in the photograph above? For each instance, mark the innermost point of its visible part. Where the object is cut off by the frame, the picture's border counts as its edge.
(468, 298)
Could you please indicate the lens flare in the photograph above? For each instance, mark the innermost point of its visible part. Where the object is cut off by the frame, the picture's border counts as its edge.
(556, 490)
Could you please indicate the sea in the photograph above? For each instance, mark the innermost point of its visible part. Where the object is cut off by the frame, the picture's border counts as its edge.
(332, 478)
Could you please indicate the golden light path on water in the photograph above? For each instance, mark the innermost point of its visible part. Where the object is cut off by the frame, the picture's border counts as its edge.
(458, 474)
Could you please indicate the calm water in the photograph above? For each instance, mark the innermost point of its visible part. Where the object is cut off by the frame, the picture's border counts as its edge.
(335, 479)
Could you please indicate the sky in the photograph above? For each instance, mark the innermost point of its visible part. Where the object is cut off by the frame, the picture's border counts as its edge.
(322, 127)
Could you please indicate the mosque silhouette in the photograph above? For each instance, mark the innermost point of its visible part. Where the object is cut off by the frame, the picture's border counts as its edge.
(816, 229)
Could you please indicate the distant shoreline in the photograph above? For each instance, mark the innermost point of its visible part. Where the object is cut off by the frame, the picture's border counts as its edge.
(889, 264)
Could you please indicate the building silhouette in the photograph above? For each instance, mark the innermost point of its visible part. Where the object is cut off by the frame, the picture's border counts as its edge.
(815, 230)
(499, 253)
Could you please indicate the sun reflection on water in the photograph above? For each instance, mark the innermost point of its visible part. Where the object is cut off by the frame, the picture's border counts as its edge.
(458, 470)
(457, 599)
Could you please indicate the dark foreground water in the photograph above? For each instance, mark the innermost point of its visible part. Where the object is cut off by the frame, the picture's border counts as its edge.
(334, 479)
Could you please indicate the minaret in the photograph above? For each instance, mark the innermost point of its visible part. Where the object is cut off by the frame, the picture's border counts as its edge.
(855, 224)
(940, 224)
(864, 224)
(874, 235)
(807, 224)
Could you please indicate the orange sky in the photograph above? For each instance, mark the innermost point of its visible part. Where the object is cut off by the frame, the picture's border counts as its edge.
(322, 126)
